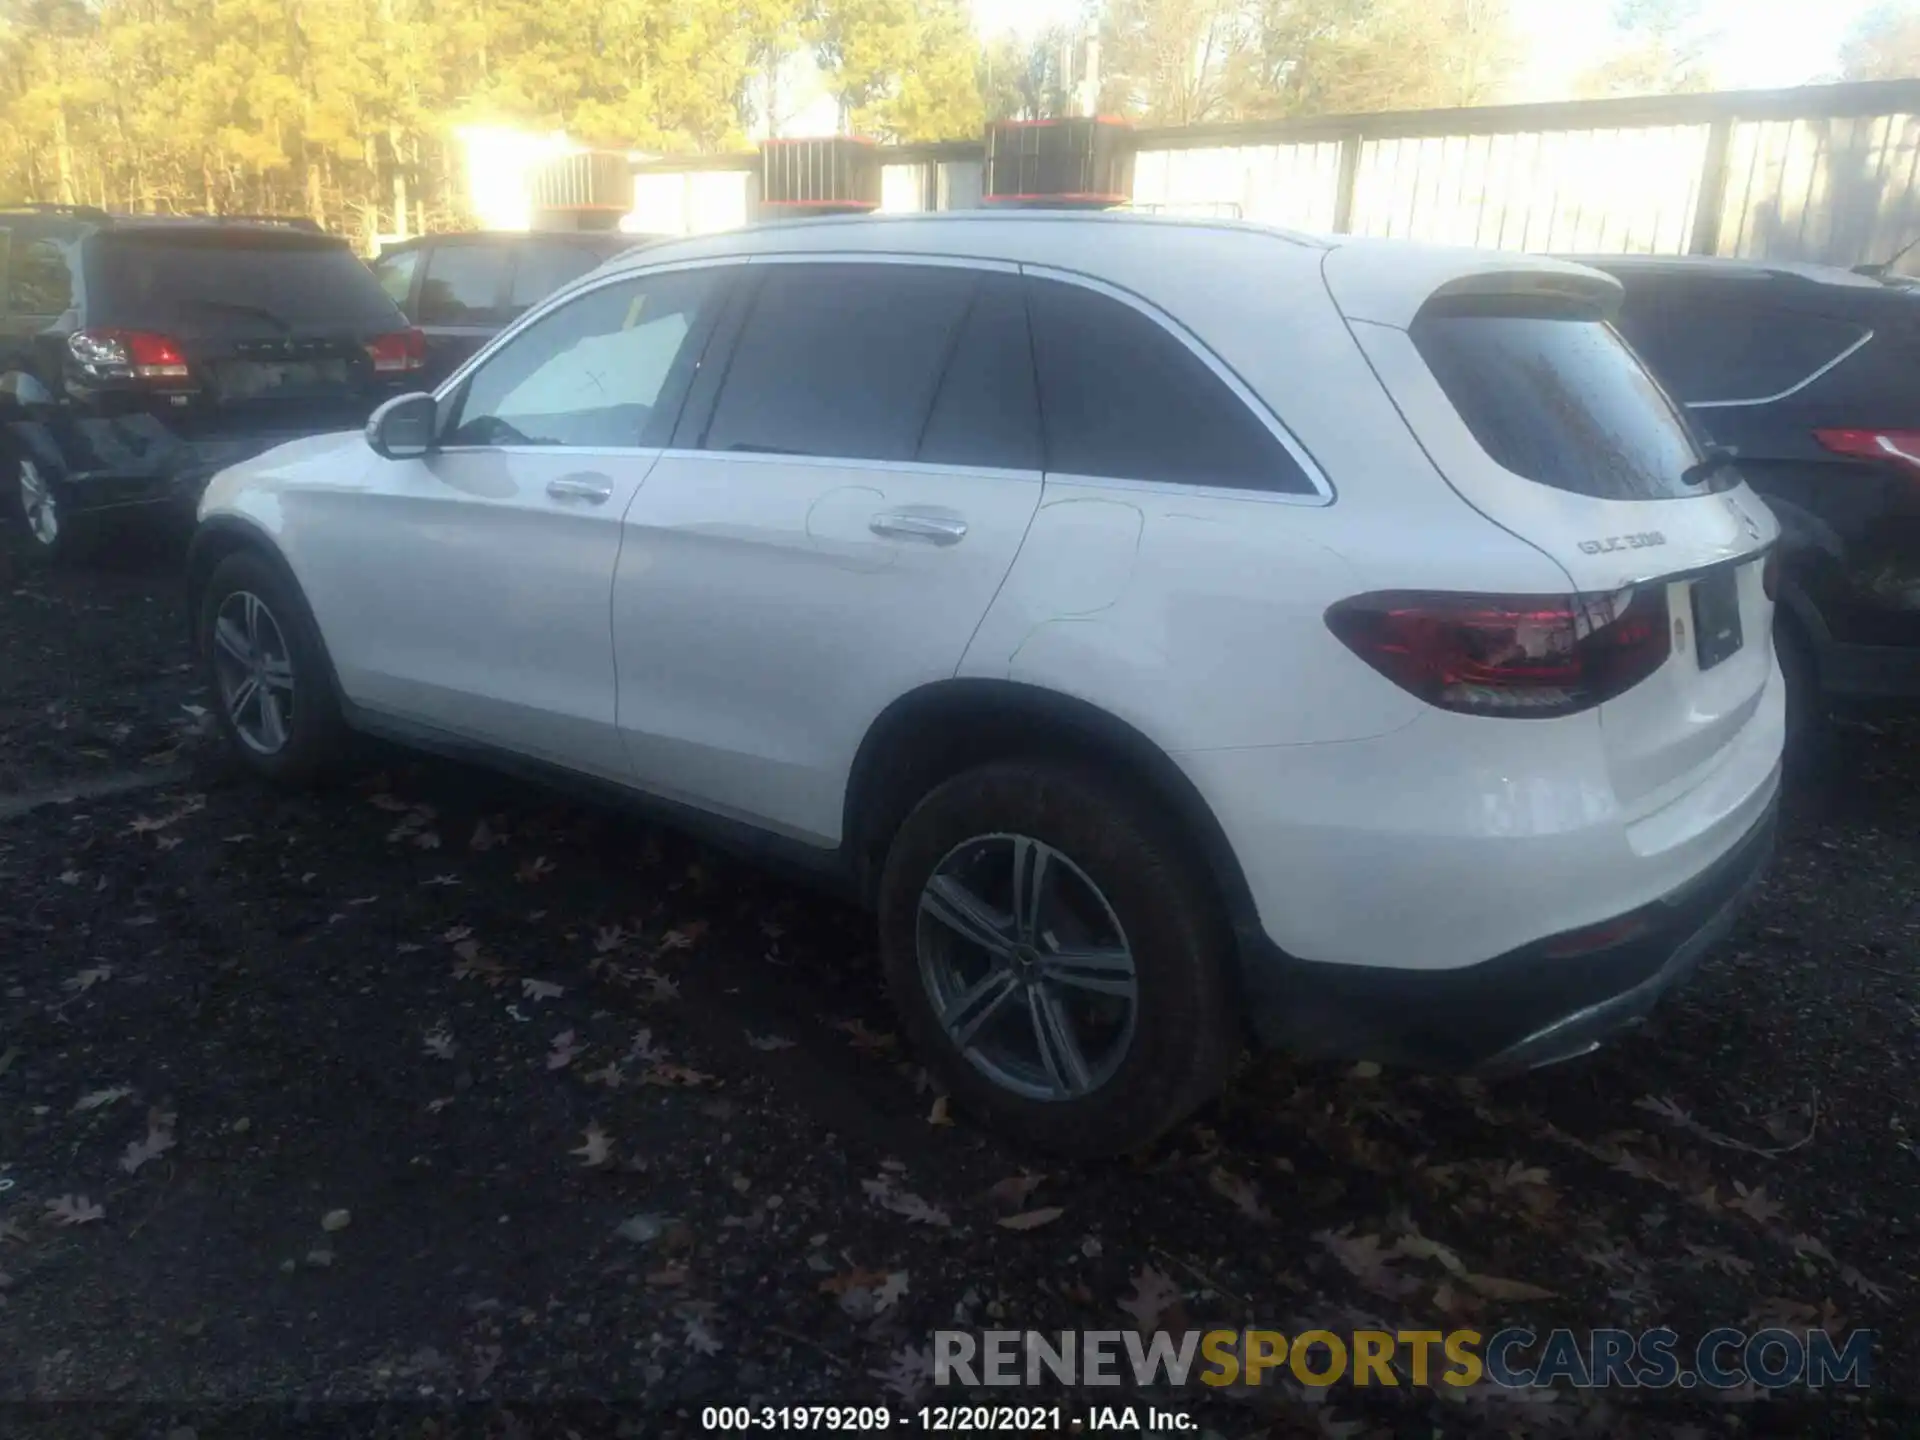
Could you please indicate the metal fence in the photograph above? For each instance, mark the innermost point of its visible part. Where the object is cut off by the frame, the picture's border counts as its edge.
(1824, 173)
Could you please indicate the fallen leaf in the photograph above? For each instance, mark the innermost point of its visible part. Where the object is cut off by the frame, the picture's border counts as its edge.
(641, 1229)
(864, 1039)
(389, 803)
(643, 1050)
(675, 1075)
(699, 1338)
(93, 1100)
(335, 1220)
(84, 980)
(1494, 1288)
(769, 1042)
(887, 1294)
(1706, 1257)
(427, 840)
(1154, 1293)
(541, 989)
(1855, 1280)
(1030, 1219)
(1363, 1259)
(1756, 1204)
(1365, 1070)
(609, 1075)
(538, 868)
(883, 1193)
(565, 1046)
(482, 838)
(909, 1373)
(159, 1140)
(939, 1116)
(668, 1275)
(456, 933)
(438, 1043)
(598, 1147)
(1245, 1198)
(74, 1210)
(854, 1279)
(1015, 1189)
(659, 987)
(610, 938)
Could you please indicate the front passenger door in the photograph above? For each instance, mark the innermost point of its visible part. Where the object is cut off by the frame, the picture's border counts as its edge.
(467, 591)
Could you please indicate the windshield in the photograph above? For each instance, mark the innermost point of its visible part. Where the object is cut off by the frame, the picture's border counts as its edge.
(226, 282)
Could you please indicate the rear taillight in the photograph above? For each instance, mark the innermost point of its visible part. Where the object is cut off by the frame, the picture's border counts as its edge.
(1900, 446)
(399, 352)
(1522, 656)
(124, 354)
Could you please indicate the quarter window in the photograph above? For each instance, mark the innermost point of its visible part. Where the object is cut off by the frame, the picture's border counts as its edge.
(606, 369)
(1124, 398)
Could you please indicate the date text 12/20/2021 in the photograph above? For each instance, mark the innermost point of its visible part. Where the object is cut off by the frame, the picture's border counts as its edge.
(949, 1419)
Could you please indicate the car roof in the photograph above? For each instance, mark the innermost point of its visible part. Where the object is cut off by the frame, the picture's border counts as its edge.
(1385, 281)
(611, 241)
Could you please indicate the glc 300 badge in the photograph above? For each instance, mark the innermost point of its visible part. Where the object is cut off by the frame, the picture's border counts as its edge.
(1644, 540)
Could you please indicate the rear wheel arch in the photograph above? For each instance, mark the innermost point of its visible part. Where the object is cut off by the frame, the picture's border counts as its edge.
(934, 733)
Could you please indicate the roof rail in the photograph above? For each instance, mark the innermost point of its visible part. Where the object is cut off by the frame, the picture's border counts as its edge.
(40, 207)
(294, 222)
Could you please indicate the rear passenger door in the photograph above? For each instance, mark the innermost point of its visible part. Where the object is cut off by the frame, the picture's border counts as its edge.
(852, 478)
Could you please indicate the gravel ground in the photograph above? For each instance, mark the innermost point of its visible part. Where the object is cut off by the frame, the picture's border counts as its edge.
(428, 1090)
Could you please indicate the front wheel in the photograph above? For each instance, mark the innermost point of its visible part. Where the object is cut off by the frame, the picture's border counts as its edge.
(269, 677)
(1055, 957)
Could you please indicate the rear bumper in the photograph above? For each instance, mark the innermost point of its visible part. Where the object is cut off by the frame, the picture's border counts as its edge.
(132, 463)
(1530, 1007)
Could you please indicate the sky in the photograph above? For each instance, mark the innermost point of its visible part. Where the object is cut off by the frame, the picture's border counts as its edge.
(1760, 44)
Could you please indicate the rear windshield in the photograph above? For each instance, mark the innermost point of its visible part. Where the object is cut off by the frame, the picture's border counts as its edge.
(1556, 396)
(215, 282)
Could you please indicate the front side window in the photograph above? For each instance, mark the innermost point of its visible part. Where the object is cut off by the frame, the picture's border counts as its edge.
(605, 369)
(395, 273)
(1555, 396)
(1123, 398)
(463, 285)
(841, 360)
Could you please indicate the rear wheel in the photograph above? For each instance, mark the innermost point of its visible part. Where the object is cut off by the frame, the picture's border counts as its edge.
(56, 534)
(1055, 958)
(269, 676)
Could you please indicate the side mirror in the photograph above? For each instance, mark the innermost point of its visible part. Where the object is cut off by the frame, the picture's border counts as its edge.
(402, 429)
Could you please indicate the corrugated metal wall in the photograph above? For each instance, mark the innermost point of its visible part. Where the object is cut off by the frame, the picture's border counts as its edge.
(1826, 173)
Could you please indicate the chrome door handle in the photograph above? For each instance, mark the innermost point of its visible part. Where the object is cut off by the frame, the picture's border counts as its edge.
(580, 487)
(940, 529)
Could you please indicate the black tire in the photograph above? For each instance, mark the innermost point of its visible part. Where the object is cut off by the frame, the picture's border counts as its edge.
(1184, 1040)
(71, 538)
(315, 741)
(1809, 725)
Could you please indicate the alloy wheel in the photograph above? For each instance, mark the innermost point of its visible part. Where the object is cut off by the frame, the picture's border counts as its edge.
(1027, 967)
(38, 504)
(255, 672)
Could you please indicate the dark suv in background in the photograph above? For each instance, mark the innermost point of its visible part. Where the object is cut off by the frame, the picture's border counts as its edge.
(463, 289)
(139, 354)
(1812, 376)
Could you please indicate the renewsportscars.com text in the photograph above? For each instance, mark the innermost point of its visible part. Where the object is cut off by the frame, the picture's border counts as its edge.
(1513, 1358)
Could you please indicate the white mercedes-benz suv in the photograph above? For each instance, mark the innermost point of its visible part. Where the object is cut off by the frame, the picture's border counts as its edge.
(1177, 632)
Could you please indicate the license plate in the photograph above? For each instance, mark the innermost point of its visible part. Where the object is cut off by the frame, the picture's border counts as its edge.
(1716, 618)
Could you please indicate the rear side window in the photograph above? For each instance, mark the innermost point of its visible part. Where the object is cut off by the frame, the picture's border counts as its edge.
(1717, 350)
(463, 285)
(840, 360)
(1558, 398)
(213, 281)
(1122, 397)
(542, 269)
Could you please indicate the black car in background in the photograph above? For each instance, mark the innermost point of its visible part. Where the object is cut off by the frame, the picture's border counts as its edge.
(1812, 376)
(462, 289)
(139, 354)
